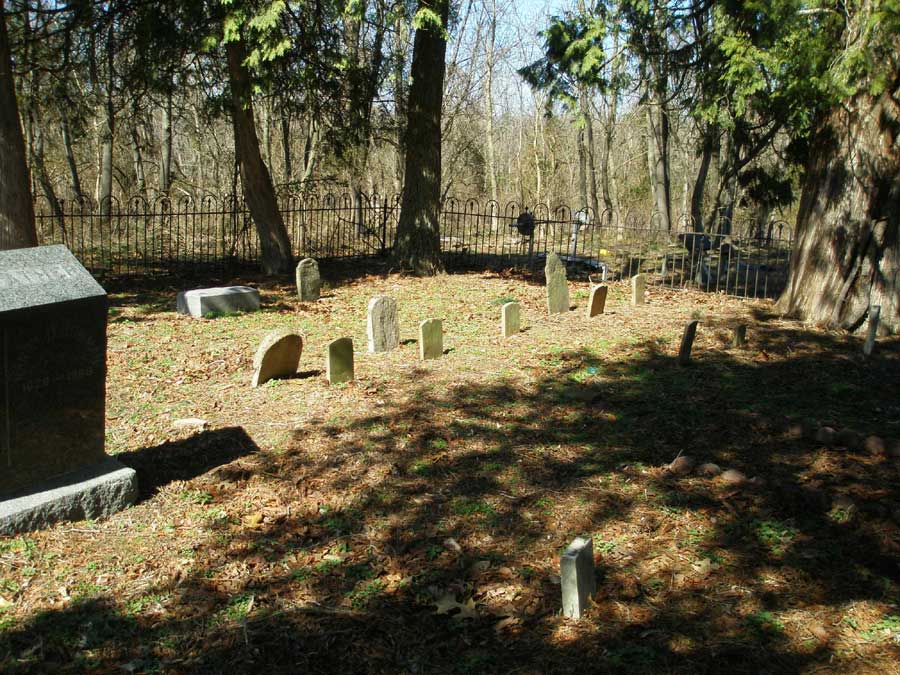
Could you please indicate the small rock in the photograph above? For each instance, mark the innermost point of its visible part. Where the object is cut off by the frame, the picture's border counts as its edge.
(820, 633)
(191, 423)
(733, 477)
(452, 545)
(848, 438)
(825, 435)
(709, 469)
(875, 445)
(682, 465)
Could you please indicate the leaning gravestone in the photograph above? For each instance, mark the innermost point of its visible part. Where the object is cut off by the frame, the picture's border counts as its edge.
(431, 339)
(874, 317)
(204, 302)
(510, 319)
(557, 286)
(309, 283)
(383, 324)
(638, 289)
(278, 356)
(598, 300)
(339, 361)
(53, 394)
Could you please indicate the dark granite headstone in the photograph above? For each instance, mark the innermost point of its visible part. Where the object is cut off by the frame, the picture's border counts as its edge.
(52, 367)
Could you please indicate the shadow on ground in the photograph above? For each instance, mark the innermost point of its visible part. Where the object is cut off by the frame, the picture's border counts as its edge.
(511, 472)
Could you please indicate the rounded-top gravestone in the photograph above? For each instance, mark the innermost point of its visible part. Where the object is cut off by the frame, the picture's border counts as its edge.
(309, 283)
(277, 356)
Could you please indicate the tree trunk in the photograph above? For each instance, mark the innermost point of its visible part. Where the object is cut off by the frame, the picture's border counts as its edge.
(286, 145)
(107, 134)
(582, 170)
(489, 109)
(418, 245)
(71, 162)
(165, 161)
(710, 137)
(138, 158)
(17, 229)
(274, 243)
(658, 159)
(846, 255)
(585, 105)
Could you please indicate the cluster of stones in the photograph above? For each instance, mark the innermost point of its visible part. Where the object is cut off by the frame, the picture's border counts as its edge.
(683, 465)
(845, 438)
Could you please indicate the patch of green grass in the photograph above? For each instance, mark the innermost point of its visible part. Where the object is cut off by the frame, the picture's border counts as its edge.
(17, 545)
(362, 597)
(544, 505)
(471, 507)
(196, 497)
(774, 534)
(434, 551)
(603, 546)
(491, 467)
(422, 467)
(886, 628)
(138, 605)
(327, 566)
(238, 607)
(439, 444)
(765, 622)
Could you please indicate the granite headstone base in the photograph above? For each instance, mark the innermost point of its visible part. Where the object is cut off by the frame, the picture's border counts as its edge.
(95, 491)
(203, 302)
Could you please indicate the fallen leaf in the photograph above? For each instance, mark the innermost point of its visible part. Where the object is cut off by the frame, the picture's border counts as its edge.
(447, 604)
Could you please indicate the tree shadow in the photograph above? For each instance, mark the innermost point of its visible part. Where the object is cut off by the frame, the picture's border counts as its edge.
(348, 575)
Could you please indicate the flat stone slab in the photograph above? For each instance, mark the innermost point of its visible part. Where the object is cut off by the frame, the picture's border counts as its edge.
(597, 302)
(96, 491)
(339, 361)
(510, 319)
(309, 282)
(278, 355)
(638, 289)
(431, 339)
(202, 302)
(557, 286)
(382, 324)
(576, 571)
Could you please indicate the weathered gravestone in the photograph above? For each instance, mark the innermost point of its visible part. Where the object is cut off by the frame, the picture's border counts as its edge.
(687, 343)
(309, 283)
(431, 339)
(278, 355)
(53, 394)
(598, 300)
(638, 289)
(874, 318)
(510, 319)
(339, 361)
(383, 324)
(739, 335)
(557, 286)
(576, 571)
(204, 302)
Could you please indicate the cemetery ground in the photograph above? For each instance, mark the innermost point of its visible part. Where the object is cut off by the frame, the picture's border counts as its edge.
(412, 520)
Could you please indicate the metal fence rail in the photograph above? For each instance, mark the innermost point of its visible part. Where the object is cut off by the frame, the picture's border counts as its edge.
(139, 236)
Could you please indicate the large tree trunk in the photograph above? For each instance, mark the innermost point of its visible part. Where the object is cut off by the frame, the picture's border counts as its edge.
(71, 162)
(658, 159)
(107, 133)
(585, 106)
(17, 228)
(274, 243)
(710, 139)
(418, 245)
(846, 255)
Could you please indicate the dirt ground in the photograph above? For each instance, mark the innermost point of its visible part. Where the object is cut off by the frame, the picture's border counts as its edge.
(411, 521)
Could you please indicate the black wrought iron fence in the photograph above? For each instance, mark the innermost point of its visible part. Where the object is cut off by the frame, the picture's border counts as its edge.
(140, 236)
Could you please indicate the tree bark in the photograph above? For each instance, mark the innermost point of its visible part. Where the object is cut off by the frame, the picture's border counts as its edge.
(418, 247)
(71, 162)
(710, 137)
(846, 256)
(275, 245)
(17, 228)
(585, 105)
(107, 133)
(165, 160)
(658, 159)
(286, 144)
